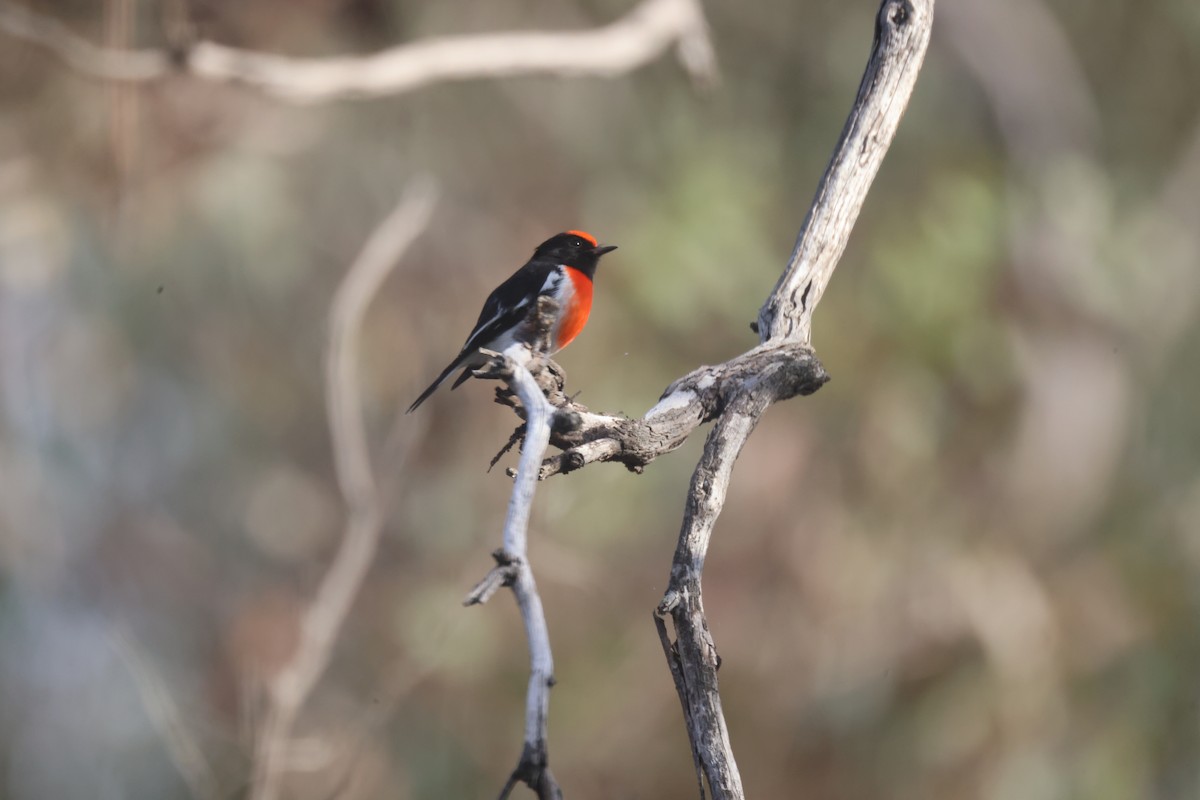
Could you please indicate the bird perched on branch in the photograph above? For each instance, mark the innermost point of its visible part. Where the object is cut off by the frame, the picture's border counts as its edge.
(562, 267)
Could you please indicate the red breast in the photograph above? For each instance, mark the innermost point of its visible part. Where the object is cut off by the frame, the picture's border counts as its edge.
(575, 315)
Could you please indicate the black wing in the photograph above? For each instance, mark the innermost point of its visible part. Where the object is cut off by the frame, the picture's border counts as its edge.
(504, 308)
(508, 304)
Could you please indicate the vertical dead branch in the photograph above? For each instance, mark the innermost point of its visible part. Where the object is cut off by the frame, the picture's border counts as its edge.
(512, 561)
(901, 37)
(289, 689)
(902, 30)
(693, 656)
(533, 766)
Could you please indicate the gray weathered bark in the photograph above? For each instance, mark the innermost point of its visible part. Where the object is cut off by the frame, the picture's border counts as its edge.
(902, 30)
(736, 393)
(901, 37)
(512, 560)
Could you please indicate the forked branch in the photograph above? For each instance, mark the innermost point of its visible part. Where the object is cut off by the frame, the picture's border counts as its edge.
(901, 36)
(736, 394)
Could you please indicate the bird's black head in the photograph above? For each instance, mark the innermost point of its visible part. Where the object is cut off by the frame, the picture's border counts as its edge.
(575, 249)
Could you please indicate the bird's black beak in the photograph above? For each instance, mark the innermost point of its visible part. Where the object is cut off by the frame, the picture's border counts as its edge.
(599, 251)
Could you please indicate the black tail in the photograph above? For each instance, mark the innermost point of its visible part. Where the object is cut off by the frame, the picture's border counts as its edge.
(466, 373)
(469, 360)
(437, 382)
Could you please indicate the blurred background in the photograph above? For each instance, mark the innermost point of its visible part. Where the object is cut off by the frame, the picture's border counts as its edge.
(968, 567)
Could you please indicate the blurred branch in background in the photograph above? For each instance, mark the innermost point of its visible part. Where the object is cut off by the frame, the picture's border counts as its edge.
(288, 690)
(179, 741)
(1063, 231)
(119, 30)
(622, 46)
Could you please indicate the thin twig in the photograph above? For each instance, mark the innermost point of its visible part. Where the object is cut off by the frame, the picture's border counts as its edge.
(630, 42)
(289, 689)
(164, 713)
(512, 441)
(503, 574)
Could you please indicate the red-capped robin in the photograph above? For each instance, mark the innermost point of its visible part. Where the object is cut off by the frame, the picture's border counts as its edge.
(563, 267)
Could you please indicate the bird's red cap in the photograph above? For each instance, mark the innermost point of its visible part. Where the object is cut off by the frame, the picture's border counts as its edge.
(587, 237)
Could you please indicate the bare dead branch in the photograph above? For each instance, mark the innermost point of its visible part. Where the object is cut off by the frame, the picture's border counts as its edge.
(517, 434)
(532, 767)
(901, 36)
(784, 325)
(632, 41)
(736, 393)
(503, 574)
(697, 398)
(289, 689)
(902, 30)
(512, 561)
(675, 665)
(694, 651)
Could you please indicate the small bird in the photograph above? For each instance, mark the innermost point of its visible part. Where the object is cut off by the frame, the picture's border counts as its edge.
(562, 267)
